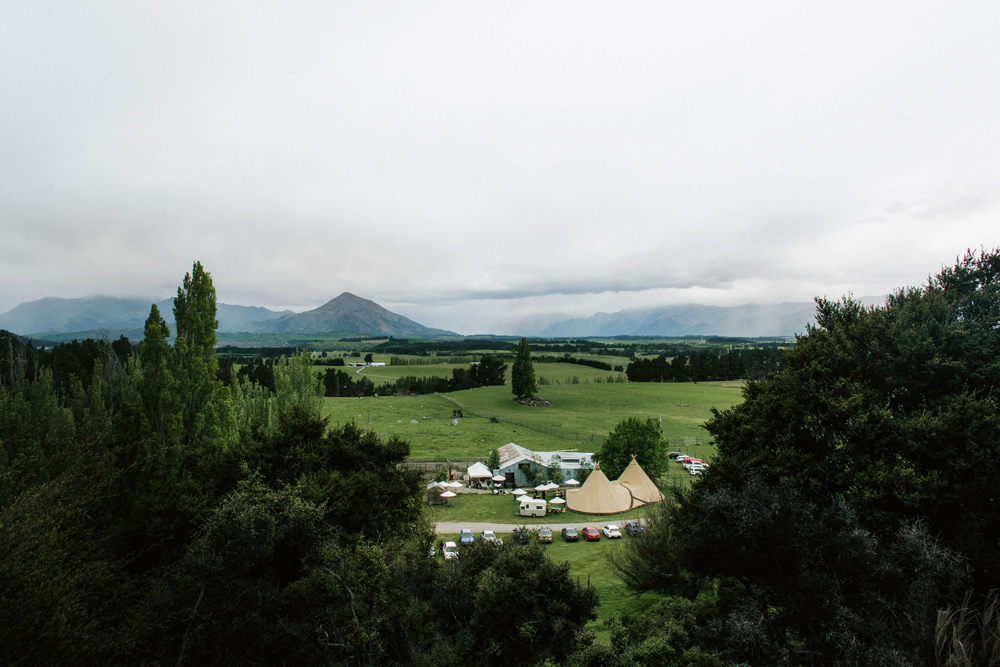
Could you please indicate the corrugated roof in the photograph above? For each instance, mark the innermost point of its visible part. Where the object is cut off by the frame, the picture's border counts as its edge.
(511, 453)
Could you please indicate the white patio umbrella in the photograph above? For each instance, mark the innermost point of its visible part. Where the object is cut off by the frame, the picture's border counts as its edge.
(550, 486)
(448, 494)
(519, 492)
(554, 501)
(499, 478)
(542, 487)
(456, 485)
(571, 482)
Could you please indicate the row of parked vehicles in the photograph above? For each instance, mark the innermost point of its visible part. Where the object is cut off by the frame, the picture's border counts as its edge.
(691, 464)
(522, 535)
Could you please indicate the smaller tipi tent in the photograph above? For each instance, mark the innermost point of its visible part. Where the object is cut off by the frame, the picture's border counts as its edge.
(638, 482)
(599, 496)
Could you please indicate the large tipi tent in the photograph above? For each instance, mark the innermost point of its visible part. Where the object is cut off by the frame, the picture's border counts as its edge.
(639, 484)
(599, 496)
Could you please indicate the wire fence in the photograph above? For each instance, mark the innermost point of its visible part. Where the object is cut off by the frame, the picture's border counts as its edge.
(583, 438)
(560, 434)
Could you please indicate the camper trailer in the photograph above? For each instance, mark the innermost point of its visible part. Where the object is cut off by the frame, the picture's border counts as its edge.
(532, 507)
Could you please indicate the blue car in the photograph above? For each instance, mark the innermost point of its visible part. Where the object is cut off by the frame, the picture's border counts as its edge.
(633, 528)
(466, 536)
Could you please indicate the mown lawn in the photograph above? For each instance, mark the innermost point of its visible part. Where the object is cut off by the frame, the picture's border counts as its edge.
(487, 508)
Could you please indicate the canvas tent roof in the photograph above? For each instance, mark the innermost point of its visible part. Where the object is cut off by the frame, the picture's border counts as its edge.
(477, 470)
(638, 482)
(599, 496)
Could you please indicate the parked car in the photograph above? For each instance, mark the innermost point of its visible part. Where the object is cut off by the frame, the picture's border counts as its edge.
(521, 535)
(491, 537)
(690, 462)
(570, 534)
(545, 536)
(591, 534)
(633, 528)
(675, 455)
(611, 531)
(466, 536)
(450, 550)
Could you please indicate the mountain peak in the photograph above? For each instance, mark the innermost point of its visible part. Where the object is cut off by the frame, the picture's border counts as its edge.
(351, 313)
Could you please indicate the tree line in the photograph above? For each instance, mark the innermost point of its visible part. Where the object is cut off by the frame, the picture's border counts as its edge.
(850, 515)
(706, 365)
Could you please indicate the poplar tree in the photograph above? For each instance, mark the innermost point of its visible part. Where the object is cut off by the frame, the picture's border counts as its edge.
(205, 405)
(522, 374)
(158, 387)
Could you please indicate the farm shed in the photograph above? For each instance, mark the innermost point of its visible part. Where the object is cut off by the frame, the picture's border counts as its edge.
(519, 465)
(571, 462)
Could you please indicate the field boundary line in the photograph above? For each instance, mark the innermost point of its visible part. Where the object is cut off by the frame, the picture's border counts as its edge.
(544, 430)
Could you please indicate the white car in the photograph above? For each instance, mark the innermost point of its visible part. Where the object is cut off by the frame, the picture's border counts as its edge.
(450, 550)
(491, 537)
(611, 531)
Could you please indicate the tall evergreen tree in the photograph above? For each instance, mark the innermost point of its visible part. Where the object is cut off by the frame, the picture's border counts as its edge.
(158, 387)
(522, 374)
(206, 409)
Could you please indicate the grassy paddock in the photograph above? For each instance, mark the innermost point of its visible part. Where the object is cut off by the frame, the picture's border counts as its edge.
(555, 373)
(581, 416)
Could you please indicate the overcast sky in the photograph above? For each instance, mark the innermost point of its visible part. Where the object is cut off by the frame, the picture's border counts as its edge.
(464, 163)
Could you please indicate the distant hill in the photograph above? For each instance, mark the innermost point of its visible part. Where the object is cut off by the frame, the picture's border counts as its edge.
(746, 321)
(64, 319)
(353, 314)
(56, 315)
(90, 316)
(749, 321)
(53, 315)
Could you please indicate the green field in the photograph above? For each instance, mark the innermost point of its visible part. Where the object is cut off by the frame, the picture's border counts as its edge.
(581, 415)
(550, 373)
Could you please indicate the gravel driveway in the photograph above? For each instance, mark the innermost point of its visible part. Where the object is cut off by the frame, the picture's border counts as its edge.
(448, 527)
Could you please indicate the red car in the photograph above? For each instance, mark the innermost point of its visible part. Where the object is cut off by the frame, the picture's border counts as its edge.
(591, 534)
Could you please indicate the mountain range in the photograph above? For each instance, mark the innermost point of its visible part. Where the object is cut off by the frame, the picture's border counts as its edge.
(93, 316)
(53, 316)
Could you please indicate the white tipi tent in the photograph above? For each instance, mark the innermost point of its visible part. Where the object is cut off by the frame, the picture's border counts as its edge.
(599, 496)
(639, 484)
